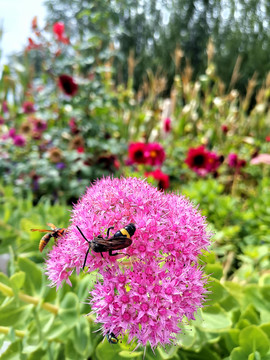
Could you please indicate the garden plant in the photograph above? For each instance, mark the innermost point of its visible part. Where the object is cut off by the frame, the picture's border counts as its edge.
(187, 161)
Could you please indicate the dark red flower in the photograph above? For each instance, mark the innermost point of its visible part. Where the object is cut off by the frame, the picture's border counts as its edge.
(39, 125)
(136, 152)
(167, 125)
(267, 138)
(67, 85)
(202, 161)
(224, 129)
(59, 31)
(154, 153)
(162, 178)
(28, 107)
(108, 162)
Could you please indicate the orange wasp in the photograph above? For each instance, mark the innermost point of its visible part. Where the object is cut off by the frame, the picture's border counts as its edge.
(55, 232)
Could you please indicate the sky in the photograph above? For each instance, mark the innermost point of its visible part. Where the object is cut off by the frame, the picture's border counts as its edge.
(15, 19)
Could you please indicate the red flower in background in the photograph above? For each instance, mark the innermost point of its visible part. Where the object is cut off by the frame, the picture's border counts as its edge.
(34, 23)
(67, 85)
(267, 138)
(154, 153)
(28, 107)
(136, 152)
(59, 31)
(32, 45)
(150, 154)
(161, 177)
(202, 161)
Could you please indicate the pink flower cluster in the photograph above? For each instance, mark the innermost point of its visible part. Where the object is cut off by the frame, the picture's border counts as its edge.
(148, 293)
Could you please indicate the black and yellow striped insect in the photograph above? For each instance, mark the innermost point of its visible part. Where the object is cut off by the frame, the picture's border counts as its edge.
(55, 233)
(120, 240)
(112, 339)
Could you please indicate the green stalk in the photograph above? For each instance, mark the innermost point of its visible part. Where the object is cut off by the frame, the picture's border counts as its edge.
(6, 290)
(5, 330)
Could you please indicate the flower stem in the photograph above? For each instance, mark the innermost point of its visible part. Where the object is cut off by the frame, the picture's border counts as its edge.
(29, 299)
(5, 330)
(6, 290)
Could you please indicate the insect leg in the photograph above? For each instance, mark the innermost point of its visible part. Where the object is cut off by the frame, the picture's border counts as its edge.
(86, 255)
(118, 253)
(108, 231)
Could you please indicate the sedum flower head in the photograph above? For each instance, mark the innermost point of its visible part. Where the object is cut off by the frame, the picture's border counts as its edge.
(148, 293)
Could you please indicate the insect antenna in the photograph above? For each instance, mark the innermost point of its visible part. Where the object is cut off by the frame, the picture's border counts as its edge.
(82, 234)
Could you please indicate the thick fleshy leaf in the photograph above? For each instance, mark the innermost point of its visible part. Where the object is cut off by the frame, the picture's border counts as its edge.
(69, 309)
(215, 319)
(218, 292)
(253, 339)
(33, 281)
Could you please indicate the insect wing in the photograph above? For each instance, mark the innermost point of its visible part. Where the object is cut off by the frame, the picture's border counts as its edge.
(115, 243)
(42, 230)
(52, 226)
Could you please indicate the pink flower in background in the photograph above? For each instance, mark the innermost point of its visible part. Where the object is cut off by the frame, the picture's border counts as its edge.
(67, 85)
(165, 281)
(28, 107)
(154, 154)
(202, 161)
(19, 140)
(234, 161)
(261, 159)
(12, 132)
(162, 178)
(2, 120)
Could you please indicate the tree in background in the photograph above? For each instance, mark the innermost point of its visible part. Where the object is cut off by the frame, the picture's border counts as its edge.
(153, 29)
